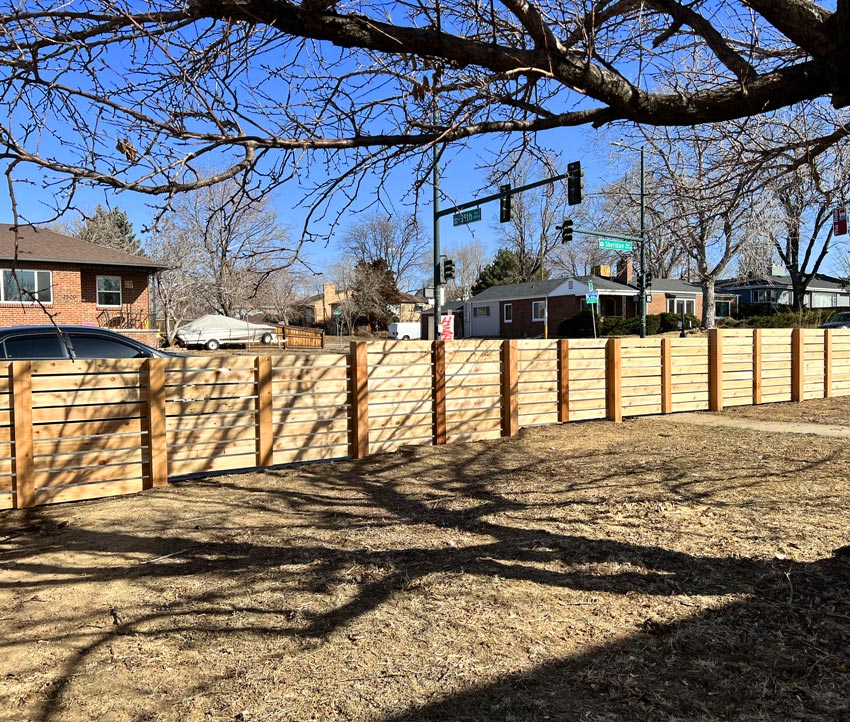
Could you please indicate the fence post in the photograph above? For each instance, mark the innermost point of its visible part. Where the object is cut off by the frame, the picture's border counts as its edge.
(797, 364)
(666, 375)
(827, 363)
(438, 391)
(358, 399)
(155, 419)
(510, 388)
(563, 381)
(20, 373)
(614, 380)
(265, 431)
(715, 370)
(757, 364)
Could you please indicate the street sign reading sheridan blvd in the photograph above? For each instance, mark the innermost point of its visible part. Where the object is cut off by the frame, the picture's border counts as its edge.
(464, 217)
(613, 245)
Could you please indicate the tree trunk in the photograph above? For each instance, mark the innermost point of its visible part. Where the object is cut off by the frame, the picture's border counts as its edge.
(708, 315)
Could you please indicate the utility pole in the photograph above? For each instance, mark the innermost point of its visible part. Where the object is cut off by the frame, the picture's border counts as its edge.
(438, 326)
(642, 285)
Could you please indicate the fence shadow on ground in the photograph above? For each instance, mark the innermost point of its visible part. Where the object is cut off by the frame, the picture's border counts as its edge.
(774, 652)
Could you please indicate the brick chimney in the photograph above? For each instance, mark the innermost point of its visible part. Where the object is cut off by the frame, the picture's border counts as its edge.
(625, 271)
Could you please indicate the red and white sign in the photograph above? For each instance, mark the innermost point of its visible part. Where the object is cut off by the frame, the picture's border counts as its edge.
(447, 326)
(839, 221)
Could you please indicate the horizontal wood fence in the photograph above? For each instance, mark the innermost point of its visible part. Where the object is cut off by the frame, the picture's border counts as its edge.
(84, 429)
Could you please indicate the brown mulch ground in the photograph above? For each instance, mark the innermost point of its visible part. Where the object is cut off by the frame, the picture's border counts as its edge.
(644, 571)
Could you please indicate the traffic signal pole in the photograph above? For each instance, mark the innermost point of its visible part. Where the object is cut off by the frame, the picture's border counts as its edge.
(438, 326)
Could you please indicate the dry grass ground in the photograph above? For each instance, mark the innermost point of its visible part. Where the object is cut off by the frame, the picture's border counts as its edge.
(646, 571)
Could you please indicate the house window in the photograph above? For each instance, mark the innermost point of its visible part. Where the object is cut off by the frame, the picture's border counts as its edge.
(538, 310)
(509, 312)
(681, 305)
(109, 291)
(481, 311)
(30, 286)
(762, 295)
(722, 309)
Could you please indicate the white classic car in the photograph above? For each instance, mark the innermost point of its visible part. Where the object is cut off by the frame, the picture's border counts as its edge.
(213, 331)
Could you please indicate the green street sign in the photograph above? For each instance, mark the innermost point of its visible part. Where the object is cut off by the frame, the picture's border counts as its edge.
(611, 244)
(337, 313)
(591, 297)
(464, 217)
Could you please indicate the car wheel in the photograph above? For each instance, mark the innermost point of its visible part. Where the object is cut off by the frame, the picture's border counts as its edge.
(267, 338)
(212, 345)
(405, 338)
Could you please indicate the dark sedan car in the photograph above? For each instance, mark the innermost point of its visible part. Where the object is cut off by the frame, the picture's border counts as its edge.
(839, 320)
(75, 342)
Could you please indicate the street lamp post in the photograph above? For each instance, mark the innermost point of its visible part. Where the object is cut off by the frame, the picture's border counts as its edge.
(642, 285)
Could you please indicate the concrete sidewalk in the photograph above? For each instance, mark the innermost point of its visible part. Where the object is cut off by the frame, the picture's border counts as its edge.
(705, 418)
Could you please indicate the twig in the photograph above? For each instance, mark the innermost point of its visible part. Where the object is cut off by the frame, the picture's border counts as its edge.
(167, 556)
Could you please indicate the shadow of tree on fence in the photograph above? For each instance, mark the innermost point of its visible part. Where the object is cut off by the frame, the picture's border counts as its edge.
(774, 645)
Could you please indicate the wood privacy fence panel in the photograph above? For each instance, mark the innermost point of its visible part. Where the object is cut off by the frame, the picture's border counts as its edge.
(310, 410)
(813, 365)
(537, 383)
(210, 410)
(7, 500)
(775, 365)
(640, 377)
(79, 430)
(689, 374)
(473, 390)
(839, 353)
(586, 380)
(400, 396)
(738, 370)
(89, 431)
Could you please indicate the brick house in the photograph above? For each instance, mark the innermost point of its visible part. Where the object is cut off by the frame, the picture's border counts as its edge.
(76, 282)
(520, 310)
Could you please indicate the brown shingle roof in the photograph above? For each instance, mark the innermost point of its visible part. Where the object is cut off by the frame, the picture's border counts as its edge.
(39, 244)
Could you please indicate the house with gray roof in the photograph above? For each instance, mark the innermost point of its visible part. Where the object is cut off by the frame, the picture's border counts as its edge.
(776, 290)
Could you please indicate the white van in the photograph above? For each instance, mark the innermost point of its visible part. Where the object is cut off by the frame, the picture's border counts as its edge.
(407, 330)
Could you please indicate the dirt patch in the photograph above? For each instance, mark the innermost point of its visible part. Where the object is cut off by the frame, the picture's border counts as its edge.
(591, 571)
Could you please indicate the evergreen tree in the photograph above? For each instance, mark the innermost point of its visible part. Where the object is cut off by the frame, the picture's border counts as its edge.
(505, 268)
(374, 292)
(110, 228)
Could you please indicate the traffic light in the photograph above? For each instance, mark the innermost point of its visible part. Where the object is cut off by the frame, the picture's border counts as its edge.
(566, 229)
(447, 268)
(575, 183)
(505, 203)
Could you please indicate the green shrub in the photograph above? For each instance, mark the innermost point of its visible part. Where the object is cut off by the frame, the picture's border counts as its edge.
(578, 326)
(788, 319)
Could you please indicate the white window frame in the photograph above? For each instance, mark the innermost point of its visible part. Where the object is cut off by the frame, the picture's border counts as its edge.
(690, 305)
(480, 311)
(99, 290)
(538, 311)
(508, 313)
(39, 292)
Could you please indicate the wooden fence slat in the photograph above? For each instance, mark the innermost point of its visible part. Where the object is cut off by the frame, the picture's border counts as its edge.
(757, 365)
(827, 363)
(155, 425)
(563, 381)
(23, 484)
(715, 370)
(797, 359)
(358, 399)
(510, 388)
(265, 408)
(438, 391)
(613, 380)
(666, 375)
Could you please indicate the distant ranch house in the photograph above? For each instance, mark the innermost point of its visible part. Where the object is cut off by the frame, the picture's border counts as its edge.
(523, 310)
(73, 281)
